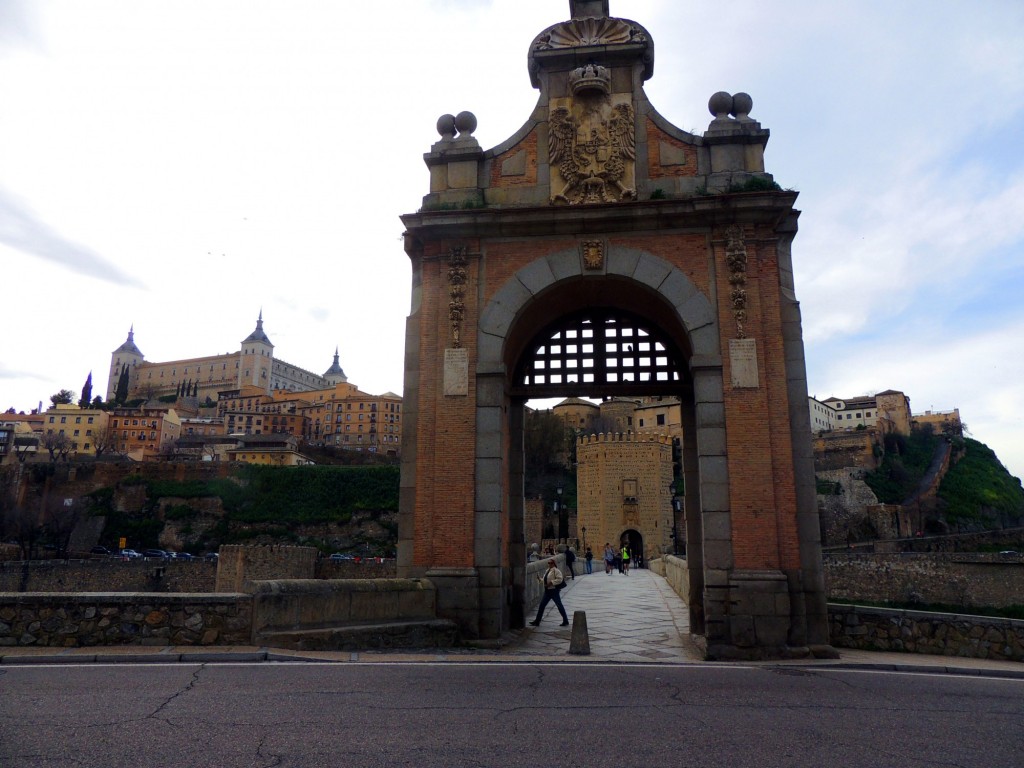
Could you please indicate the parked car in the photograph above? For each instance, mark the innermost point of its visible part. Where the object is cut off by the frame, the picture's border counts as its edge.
(100, 552)
(129, 554)
(154, 554)
(180, 556)
(341, 557)
(212, 557)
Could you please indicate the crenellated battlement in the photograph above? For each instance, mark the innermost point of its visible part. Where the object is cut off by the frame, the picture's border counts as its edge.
(624, 437)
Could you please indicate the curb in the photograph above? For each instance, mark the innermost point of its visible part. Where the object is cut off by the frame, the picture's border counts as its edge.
(283, 655)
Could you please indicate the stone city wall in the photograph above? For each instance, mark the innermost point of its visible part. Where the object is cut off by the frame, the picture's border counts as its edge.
(349, 569)
(948, 634)
(112, 575)
(242, 565)
(74, 620)
(965, 579)
(107, 575)
(841, 450)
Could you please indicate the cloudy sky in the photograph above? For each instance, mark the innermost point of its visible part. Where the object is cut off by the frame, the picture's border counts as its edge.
(179, 166)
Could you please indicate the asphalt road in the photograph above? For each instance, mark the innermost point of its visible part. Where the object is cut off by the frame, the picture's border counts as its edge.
(454, 714)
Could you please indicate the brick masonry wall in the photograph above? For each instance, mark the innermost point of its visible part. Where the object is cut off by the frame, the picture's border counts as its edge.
(69, 621)
(989, 580)
(655, 169)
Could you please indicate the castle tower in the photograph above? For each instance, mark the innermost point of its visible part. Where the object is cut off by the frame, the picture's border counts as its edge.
(623, 483)
(257, 359)
(126, 355)
(334, 374)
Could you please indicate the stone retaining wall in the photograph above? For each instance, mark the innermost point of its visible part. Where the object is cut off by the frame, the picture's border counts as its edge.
(299, 604)
(89, 619)
(294, 605)
(947, 634)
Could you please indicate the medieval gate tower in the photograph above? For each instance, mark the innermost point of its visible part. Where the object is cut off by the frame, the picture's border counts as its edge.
(601, 251)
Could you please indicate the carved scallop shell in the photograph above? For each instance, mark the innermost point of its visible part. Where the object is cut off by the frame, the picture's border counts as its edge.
(581, 32)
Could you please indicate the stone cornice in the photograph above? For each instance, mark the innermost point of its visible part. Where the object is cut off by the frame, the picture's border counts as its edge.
(772, 208)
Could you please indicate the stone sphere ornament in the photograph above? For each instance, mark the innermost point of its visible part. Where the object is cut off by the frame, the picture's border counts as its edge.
(465, 123)
(720, 104)
(741, 105)
(446, 126)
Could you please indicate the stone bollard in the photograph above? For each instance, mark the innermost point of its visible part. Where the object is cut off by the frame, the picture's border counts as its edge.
(579, 645)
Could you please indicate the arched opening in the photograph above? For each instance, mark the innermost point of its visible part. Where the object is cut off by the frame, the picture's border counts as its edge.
(611, 338)
(635, 541)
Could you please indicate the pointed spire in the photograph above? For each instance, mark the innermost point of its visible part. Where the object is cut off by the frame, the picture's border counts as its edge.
(335, 374)
(129, 347)
(258, 335)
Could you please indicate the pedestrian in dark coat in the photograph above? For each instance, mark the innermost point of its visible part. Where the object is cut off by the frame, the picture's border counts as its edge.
(553, 583)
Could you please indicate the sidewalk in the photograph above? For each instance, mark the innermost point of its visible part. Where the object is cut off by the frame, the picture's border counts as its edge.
(634, 619)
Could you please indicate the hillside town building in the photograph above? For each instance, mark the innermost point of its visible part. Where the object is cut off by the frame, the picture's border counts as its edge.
(254, 364)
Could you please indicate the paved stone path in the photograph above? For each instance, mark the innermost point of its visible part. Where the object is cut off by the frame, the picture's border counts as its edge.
(629, 618)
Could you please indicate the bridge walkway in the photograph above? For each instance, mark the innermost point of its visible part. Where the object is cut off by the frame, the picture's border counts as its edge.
(635, 617)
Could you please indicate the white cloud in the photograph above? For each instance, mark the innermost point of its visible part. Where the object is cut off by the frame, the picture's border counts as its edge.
(201, 161)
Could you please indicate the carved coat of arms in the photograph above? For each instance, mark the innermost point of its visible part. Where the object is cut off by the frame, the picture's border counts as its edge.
(592, 151)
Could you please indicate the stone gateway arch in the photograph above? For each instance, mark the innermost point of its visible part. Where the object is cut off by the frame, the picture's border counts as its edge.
(601, 251)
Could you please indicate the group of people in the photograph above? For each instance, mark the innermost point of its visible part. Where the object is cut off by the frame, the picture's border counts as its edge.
(615, 559)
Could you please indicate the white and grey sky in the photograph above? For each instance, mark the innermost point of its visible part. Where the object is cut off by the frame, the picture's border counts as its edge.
(179, 166)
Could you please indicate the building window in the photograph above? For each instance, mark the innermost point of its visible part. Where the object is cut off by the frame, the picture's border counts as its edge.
(661, 419)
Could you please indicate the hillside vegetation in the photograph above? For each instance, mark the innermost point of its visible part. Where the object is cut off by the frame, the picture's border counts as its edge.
(256, 501)
(977, 491)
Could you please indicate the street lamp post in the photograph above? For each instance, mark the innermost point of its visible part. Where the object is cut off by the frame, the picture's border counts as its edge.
(674, 503)
(584, 529)
(563, 518)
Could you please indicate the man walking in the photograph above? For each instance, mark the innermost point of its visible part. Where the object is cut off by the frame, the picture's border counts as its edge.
(553, 582)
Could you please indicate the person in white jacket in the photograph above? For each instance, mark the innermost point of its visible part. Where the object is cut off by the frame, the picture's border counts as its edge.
(553, 582)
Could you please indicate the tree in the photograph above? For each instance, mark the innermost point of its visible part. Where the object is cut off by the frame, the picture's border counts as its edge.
(121, 391)
(17, 522)
(546, 441)
(104, 439)
(62, 516)
(64, 397)
(86, 398)
(58, 444)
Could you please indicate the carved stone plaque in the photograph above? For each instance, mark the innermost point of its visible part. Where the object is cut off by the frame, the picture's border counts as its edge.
(456, 372)
(593, 254)
(743, 363)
